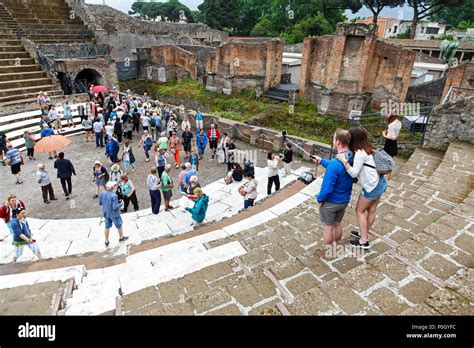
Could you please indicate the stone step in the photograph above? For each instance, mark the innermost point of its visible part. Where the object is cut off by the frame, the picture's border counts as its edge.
(22, 75)
(14, 55)
(10, 36)
(36, 26)
(14, 42)
(11, 48)
(45, 36)
(7, 85)
(28, 98)
(49, 21)
(52, 41)
(25, 92)
(20, 69)
(5, 62)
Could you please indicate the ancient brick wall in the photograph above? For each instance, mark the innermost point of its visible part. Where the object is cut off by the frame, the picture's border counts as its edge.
(462, 77)
(165, 63)
(451, 121)
(245, 64)
(343, 72)
(427, 94)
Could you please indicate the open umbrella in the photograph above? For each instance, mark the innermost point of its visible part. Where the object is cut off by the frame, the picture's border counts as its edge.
(52, 143)
(99, 89)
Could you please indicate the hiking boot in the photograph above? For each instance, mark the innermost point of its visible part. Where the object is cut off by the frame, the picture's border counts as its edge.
(123, 239)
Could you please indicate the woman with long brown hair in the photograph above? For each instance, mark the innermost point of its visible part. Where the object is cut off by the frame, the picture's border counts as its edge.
(373, 184)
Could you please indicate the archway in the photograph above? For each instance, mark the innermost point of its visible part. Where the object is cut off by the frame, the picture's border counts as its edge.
(87, 76)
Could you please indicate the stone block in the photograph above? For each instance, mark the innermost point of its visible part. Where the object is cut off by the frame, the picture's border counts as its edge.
(216, 271)
(228, 310)
(363, 277)
(418, 290)
(439, 267)
(387, 301)
(244, 292)
(171, 291)
(411, 250)
(315, 264)
(311, 302)
(140, 298)
(448, 302)
(465, 242)
(301, 284)
(347, 300)
(286, 269)
(194, 283)
(394, 269)
(179, 308)
(208, 300)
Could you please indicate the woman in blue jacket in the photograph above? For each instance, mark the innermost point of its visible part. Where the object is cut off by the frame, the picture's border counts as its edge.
(200, 207)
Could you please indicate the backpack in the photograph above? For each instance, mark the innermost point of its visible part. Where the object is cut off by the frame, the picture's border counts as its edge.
(384, 163)
(149, 142)
(249, 168)
(307, 178)
(152, 122)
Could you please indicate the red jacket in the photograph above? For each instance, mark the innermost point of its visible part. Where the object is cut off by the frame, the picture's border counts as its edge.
(218, 135)
(5, 210)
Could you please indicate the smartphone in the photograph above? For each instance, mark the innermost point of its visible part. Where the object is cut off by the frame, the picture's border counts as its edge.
(34, 241)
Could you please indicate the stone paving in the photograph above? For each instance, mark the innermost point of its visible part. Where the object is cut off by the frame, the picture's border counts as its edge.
(274, 263)
(83, 155)
(420, 262)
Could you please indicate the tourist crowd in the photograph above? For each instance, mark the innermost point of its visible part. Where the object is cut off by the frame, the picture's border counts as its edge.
(117, 121)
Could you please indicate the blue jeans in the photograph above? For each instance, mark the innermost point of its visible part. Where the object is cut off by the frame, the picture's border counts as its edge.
(248, 203)
(155, 201)
(99, 139)
(201, 150)
(147, 149)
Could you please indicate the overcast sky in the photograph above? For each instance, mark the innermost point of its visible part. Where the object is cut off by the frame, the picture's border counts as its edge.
(125, 5)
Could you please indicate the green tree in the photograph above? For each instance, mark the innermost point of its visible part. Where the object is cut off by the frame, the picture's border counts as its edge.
(454, 15)
(263, 28)
(428, 8)
(221, 14)
(376, 6)
(152, 10)
(311, 26)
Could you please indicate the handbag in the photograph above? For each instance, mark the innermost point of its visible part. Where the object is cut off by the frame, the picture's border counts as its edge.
(228, 180)
(242, 191)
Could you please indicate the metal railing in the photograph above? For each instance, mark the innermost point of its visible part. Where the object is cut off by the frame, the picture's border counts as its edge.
(413, 126)
(47, 63)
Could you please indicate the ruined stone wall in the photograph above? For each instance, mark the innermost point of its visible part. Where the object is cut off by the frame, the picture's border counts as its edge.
(394, 67)
(451, 121)
(166, 63)
(103, 66)
(461, 76)
(343, 72)
(427, 94)
(245, 64)
(203, 56)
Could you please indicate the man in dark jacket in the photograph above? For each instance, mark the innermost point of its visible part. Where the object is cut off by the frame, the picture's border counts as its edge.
(65, 172)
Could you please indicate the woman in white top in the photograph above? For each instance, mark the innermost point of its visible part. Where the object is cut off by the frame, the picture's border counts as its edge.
(273, 162)
(391, 134)
(373, 185)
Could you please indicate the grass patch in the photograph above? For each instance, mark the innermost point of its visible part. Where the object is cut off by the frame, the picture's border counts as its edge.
(305, 122)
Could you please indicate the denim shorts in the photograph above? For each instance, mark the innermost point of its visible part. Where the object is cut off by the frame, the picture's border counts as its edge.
(116, 221)
(377, 192)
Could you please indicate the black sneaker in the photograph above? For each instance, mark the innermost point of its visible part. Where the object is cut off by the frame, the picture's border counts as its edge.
(54, 199)
(356, 243)
(355, 234)
(107, 243)
(123, 239)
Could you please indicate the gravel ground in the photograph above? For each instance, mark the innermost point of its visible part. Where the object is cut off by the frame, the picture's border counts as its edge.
(83, 155)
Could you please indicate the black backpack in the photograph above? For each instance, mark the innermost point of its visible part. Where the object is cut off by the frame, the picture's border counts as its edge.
(249, 168)
(307, 178)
